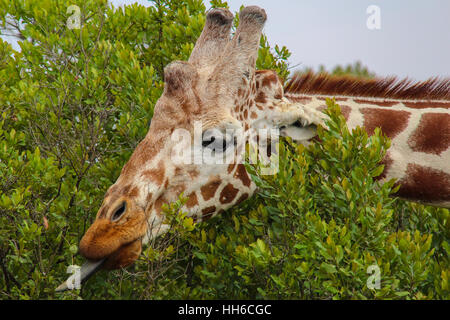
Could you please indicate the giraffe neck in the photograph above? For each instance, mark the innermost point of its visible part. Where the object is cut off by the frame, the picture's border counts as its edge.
(420, 138)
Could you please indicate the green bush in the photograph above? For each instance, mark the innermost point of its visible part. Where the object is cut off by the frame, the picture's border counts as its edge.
(75, 103)
(319, 229)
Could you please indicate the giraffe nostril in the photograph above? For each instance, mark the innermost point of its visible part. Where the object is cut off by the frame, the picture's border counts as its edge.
(298, 124)
(119, 212)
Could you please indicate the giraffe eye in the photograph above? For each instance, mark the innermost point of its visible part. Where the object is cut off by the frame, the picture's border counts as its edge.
(217, 140)
(208, 140)
(213, 139)
(119, 212)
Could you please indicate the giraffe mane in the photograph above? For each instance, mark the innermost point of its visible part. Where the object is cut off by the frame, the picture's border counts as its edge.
(388, 87)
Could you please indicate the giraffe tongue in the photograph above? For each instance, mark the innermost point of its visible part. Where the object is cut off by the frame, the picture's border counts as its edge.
(87, 270)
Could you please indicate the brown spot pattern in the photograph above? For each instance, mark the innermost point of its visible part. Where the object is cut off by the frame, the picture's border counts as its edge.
(424, 183)
(261, 97)
(345, 110)
(391, 122)
(242, 175)
(192, 201)
(228, 193)
(209, 190)
(432, 135)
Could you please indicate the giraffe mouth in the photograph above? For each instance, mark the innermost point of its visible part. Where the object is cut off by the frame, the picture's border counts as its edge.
(122, 257)
(86, 271)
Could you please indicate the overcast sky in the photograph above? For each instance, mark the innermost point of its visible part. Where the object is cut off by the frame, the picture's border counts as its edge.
(414, 38)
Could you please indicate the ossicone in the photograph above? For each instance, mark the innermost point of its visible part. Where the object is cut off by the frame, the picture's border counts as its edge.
(219, 16)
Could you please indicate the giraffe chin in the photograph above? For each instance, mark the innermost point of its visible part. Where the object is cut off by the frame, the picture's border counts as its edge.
(125, 256)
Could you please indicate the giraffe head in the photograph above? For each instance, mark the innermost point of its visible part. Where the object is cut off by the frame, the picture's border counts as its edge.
(217, 88)
(199, 91)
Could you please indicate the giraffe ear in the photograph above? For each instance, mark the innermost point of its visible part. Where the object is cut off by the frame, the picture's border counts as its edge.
(179, 77)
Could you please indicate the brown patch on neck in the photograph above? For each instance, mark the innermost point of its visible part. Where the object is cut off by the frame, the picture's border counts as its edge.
(209, 190)
(228, 194)
(345, 110)
(192, 201)
(432, 135)
(391, 122)
(241, 174)
(425, 184)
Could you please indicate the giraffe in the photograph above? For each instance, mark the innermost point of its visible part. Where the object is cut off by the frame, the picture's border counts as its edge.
(415, 116)
(219, 87)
